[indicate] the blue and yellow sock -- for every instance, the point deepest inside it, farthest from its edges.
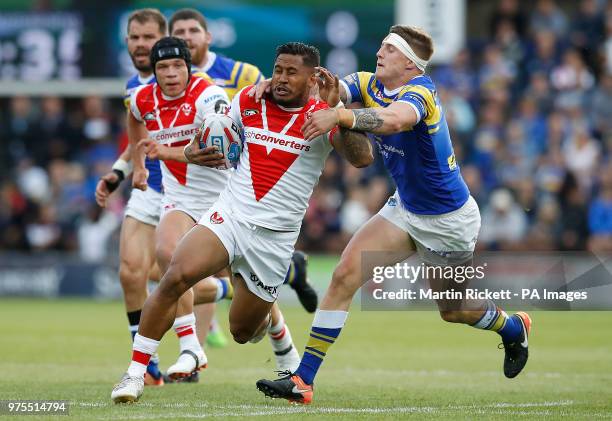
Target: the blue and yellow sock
(325, 330)
(290, 277)
(225, 290)
(495, 319)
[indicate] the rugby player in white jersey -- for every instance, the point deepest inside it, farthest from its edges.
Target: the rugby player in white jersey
(232, 76)
(137, 245)
(255, 222)
(138, 262)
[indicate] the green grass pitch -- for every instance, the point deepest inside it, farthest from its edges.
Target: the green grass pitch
(386, 365)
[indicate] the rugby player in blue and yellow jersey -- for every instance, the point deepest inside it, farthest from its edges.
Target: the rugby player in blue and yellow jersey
(431, 212)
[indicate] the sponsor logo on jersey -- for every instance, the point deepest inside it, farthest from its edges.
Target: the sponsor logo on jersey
(249, 112)
(392, 201)
(221, 107)
(267, 138)
(352, 79)
(174, 134)
(215, 97)
(215, 218)
(187, 109)
(269, 289)
(149, 116)
(452, 162)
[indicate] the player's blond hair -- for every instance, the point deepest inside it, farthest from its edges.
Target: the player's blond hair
(419, 40)
(147, 15)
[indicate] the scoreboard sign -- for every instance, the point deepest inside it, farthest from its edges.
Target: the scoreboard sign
(40, 46)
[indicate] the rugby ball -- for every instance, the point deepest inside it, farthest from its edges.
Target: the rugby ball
(221, 131)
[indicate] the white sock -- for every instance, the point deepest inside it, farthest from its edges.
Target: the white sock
(185, 329)
(280, 337)
(214, 325)
(142, 350)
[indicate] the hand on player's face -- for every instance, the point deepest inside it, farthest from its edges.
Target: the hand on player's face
(261, 89)
(172, 76)
(329, 86)
(319, 123)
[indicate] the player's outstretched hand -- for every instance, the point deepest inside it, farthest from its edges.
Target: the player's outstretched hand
(261, 89)
(106, 185)
(206, 157)
(320, 122)
(329, 86)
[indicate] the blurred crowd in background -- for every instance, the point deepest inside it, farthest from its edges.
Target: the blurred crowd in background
(530, 113)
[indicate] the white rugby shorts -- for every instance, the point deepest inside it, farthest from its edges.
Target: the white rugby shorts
(261, 256)
(145, 206)
(194, 206)
(446, 239)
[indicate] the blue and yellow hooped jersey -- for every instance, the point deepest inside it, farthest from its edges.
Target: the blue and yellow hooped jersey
(229, 74)
(155, 176)
(421, 160)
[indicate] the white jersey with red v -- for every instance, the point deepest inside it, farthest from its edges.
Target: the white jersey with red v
(278, 169)
(173, 121)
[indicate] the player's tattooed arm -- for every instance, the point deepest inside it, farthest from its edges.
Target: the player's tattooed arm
(354, 146)
(367, 119)
(395, 118)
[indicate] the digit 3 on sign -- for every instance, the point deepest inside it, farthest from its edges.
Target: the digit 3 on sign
(221, 131)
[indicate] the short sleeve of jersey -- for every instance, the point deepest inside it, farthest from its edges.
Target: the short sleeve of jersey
(204, 76)
(132, 104)
(419, 97)
(127, 96)
(234, 111)
(212, 100)
(354, 85)
(250, 75)
(331, 134)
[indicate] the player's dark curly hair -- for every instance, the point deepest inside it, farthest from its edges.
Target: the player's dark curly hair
(310, 55)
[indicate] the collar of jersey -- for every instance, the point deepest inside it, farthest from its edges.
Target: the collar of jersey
(209, 63)
(294, 110)
(145, 81)
(290, 110)
(172, 98)
(392, 93)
